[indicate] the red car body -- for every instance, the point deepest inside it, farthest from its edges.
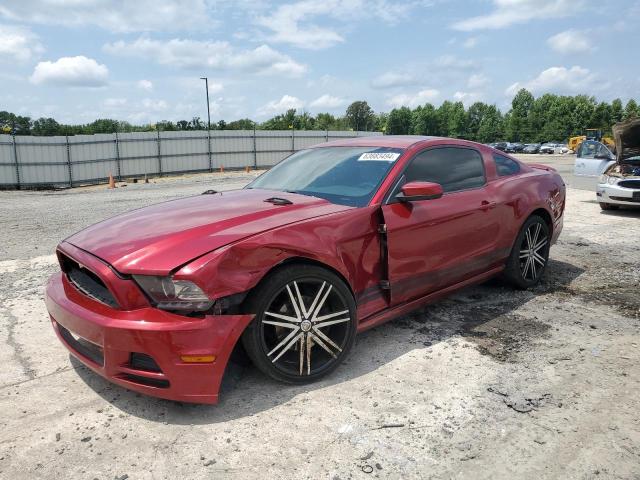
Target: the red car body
(394, 257)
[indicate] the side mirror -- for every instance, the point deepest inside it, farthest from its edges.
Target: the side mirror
(414, 191)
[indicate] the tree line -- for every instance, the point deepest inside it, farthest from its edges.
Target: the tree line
(546, 118)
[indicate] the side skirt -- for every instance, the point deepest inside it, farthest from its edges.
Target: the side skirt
(390, 313)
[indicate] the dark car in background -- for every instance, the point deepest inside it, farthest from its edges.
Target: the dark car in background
(502, 146)
(531, 148)
(515, 147)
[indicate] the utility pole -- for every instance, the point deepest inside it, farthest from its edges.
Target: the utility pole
(206, 86)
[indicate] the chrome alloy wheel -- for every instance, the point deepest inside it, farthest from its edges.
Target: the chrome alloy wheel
(532, 252)
(305, 327)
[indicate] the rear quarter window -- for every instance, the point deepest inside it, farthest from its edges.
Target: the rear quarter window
(505, 166)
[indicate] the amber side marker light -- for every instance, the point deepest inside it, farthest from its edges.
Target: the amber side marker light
(198, 358)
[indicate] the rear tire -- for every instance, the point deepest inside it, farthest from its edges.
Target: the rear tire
(304, 325)
(608, 206)
(530, 254)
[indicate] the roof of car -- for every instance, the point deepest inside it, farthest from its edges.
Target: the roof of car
(392, 141)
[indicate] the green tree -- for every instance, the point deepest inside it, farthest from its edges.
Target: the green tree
(617, 112)
(491, 125)
(631, 110)
(46, 127)
(242, 124)
(360, 116)
(399, 121)
(521, 105)
(425, 121)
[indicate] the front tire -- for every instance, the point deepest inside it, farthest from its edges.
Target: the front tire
(305, 324)
(530, 254)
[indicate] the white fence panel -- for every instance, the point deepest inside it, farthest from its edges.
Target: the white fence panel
(83, 159)
(43, 161)
(138, 153)
(184, 151)
(93, 157)
(7, 165)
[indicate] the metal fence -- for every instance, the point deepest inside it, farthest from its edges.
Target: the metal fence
(33, 162)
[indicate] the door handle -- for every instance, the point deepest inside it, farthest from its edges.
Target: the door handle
(486, 205)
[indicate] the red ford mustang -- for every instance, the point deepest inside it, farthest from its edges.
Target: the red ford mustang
(332, 241)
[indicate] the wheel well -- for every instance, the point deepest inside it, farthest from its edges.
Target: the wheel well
(297, 261)
(541, 212)
(309, 261)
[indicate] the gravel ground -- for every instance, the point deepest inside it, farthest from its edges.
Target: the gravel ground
(489, 383)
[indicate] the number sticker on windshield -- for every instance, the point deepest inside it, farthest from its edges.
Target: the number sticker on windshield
(379, 157)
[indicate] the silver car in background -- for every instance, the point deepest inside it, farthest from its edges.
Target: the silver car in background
(615, 178)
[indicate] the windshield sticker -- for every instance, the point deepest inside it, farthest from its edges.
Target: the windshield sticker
(379, 157)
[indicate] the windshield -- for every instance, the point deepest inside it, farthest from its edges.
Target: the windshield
(343, 175)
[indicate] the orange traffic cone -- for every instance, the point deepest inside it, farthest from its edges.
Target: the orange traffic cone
(246, 169)
(112, 183)
(221, 168)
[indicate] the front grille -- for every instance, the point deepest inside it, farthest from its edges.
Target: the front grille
(84, 347)
(629, 183)
(87, 282)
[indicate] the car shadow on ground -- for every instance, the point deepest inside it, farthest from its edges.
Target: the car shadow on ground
(483, 314)
(623, 212)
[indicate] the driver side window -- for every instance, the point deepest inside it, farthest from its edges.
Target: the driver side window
(454, 168)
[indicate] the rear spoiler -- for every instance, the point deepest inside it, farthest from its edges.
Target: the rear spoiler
(540, 166)
(627, 138)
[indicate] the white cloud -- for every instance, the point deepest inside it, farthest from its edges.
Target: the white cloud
(441, 71)
(145, 85)
(292, 23)
(467, 97)
(217, 55)
(413, 100)
(477, 80)
(570, 41)
(287, 102)
(328, 102)
(561, 80)
(77, 71)
(113, 15)
(152, 105)
(470, 42)
(18, 44)
(510, 12)
(215, 87)
(114, 103)
(395, 79)
(451, 62)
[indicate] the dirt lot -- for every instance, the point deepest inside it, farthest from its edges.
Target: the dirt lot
(490, 383)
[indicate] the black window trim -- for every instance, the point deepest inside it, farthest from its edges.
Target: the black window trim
(389, 197)
(494, 155)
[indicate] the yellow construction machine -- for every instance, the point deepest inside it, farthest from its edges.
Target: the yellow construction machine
(591, 134)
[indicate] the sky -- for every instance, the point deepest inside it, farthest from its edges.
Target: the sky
(141, 60)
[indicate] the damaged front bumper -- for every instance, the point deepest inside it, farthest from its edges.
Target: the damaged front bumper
(146, 350)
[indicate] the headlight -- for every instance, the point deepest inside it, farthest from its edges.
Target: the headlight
(170, 294)
(603, 178)
(612, 180)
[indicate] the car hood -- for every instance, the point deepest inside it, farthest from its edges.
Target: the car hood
(157, 239)
(627, 139)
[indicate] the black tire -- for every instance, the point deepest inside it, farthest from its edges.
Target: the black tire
(517, 273)
(311, 360)
(608, 206)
